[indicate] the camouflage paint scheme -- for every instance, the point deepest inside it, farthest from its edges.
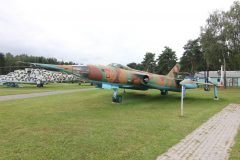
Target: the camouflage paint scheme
(119, 76)
(115, 76)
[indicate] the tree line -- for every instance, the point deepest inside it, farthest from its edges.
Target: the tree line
(191, 61)
(10, 62)
(218, 41)
(160, 65)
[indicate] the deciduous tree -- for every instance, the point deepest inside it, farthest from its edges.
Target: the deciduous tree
(192, 59)
(220, 38)
(166, 60)
(149, 63)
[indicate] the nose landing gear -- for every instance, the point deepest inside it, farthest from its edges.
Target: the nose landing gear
(116, 98)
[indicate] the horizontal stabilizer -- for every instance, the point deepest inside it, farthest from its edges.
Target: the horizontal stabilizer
(190, 84)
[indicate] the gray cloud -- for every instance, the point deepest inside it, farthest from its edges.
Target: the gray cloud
(101, 31)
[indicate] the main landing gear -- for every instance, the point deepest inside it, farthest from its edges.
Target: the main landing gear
(164, 92)
(116, 98)
(206, 88)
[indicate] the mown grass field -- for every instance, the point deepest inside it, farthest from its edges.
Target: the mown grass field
(235, 153)
(86, 125)
(28, 88)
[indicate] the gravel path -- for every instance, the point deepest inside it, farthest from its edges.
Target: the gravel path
(211, 141)
(30, 95)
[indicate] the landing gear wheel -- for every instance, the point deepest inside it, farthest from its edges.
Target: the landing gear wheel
(163, 92)
(118, 99)
(206, 88)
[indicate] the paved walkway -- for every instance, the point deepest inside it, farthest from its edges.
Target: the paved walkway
(211, 141)
(30, 95)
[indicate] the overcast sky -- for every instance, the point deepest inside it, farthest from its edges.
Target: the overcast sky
(101, 31)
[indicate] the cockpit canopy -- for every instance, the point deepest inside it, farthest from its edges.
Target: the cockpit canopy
(116, 65)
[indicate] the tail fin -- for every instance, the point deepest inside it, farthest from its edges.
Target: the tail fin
(174, 71)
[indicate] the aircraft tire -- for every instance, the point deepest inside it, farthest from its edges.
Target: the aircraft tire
(118, 99)
(206, 88)
(164, 93)
(113, 99)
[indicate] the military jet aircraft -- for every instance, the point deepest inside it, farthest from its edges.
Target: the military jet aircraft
(115, 76)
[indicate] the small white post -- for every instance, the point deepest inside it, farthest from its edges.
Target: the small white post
(182, 96)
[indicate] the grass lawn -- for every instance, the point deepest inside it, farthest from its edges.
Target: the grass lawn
(27, 88)
(235, 153)
(86, 125)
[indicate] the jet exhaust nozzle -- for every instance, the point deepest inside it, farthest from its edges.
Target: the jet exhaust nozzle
(145, 79)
